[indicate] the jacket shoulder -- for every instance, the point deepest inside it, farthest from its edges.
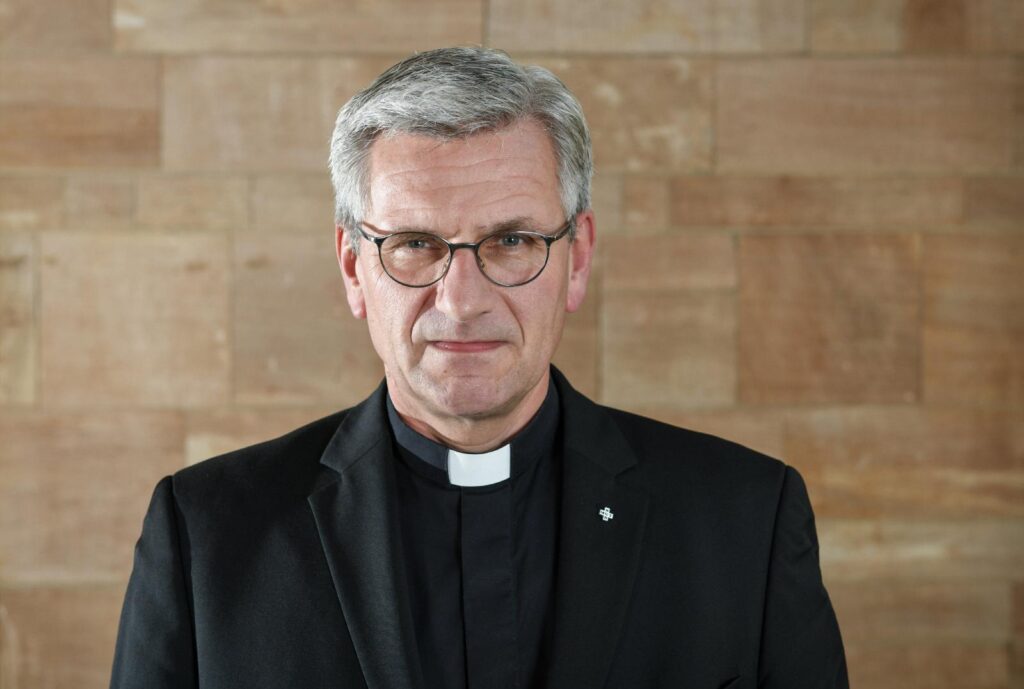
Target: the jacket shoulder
(672, 453)
(273, 466)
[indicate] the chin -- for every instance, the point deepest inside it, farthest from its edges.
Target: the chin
(472, 397)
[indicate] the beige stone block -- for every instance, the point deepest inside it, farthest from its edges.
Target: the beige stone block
(816, 202)
(856, 26)
(828, 318)
(1017, 637)
(935, 25)
(995, 25)
(869, 115)
(670, 350)
(17, 321)
(212, 432)
(885, 26)
(1017, 662)
(606, 200)
(921, 549)
(995, 202)
(670, 262)
(579, 353)
(909, 461)
(895, 612)
(130, 319)
(647, 26)
(758, 429)
(839, 491)
(1017, 617)
(51, 27)
(192, 202)
(293, 203)
(971, 366)
(99, 202)
(871, 438)
(759, 26)
(83, 112)
(931, 666)
(646, 200)
(295, 340)
(640, 27)
(295, 26)
(256, 114)
(59, 637)
(646, 114)
(31, 203)
(974, 319)
(75, 489)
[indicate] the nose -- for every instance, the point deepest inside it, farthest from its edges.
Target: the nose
(464, 293)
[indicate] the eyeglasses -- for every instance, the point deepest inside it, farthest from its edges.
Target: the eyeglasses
(506, 258)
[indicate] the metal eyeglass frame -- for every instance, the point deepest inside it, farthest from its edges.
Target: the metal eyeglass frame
(548, 240)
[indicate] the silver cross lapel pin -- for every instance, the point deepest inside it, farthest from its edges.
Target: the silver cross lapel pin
(606, 513)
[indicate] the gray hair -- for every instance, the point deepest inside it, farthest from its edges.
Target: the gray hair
(453, 93)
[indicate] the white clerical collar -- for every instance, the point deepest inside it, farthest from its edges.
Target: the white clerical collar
(534, 441)
(481, 469)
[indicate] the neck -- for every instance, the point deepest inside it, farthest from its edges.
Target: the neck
(469, 434)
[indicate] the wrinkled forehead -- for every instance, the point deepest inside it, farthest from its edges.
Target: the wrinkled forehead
(415, 178)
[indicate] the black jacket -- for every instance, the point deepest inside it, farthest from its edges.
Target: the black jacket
(278, 565)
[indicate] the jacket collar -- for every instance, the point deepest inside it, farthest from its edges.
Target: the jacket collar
(590, 431)
(358, 432)
(355, 511)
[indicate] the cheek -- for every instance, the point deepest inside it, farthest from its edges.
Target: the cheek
(541, 316)
(392, 313)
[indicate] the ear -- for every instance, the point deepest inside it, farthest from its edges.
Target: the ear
(581, 256)
(348, 261)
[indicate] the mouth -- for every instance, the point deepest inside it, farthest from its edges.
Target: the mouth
(466, 346)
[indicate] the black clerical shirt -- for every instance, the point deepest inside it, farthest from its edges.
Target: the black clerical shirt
(480, 561)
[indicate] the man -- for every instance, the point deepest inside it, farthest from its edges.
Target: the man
(476, 522)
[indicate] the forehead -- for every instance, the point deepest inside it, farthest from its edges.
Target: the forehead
(484, 178)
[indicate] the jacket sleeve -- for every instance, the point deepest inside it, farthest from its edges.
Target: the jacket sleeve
(801, 647)
(156, 641)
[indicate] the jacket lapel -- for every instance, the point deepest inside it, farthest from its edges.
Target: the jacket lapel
(355, 512)
(599, 549)
(356, 517)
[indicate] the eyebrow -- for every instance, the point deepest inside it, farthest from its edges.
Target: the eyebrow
(520, 223)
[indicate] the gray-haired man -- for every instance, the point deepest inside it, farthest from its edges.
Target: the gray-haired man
(476, 522)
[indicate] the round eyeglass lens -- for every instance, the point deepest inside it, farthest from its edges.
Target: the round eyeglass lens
(414, 258)
(513, 258)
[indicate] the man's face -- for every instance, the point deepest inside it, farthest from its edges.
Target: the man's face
(464, 346)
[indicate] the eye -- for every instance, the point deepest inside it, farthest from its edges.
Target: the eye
(511, 240)
(404, 241)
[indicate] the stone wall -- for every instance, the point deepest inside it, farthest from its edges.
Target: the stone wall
(811, 233)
